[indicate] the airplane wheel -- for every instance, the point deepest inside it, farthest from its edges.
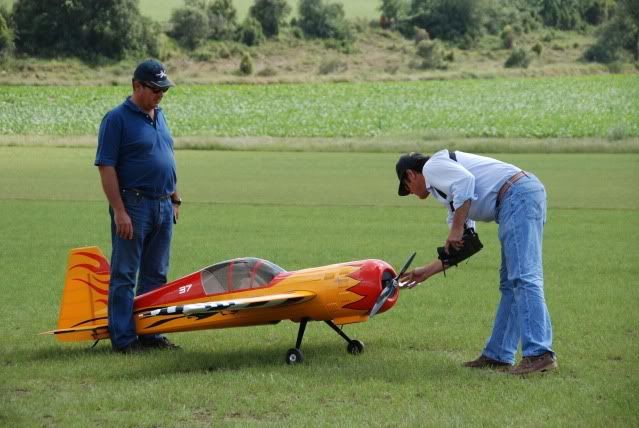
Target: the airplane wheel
(294, 356)
(355, 347)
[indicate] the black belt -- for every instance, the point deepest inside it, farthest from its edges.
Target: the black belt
(145, 195)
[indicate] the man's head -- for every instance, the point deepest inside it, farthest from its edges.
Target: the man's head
(150, 82)
(409, 172)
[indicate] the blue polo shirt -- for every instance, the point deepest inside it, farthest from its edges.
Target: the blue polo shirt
(140, 149)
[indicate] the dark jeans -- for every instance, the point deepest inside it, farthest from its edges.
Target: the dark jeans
(141, 261)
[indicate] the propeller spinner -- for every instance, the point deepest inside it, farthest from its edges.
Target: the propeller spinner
(389, 287)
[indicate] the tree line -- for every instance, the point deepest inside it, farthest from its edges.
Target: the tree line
(114, 29)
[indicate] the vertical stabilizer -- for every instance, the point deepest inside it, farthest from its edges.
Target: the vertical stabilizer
(83, 312)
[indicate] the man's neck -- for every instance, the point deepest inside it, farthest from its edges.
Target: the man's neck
(135, 100)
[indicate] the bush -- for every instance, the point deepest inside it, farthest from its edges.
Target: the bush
(454, 20)
(518, 58)
(619, 34)
(83, 28)
(246, 65)
(537, 48)
(324, 21)
(507, 37)
(432, 54)
(251, 32)
(271, 14)
(6, 37)
(331, 66)
(190, 26)
(222, 19)
(393, 10)
(562, 14)
(421, 34)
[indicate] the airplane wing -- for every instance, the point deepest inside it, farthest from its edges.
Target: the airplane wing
(260, 302)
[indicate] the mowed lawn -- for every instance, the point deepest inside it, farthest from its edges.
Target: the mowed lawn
(308, 209)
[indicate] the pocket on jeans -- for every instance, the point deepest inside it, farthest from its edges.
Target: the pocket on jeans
(130, 199)
(536, 207)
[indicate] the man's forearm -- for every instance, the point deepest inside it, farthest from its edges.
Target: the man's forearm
(460, 216)
(111, 187)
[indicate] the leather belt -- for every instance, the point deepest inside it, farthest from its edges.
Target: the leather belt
(508, 184)
(145, 195)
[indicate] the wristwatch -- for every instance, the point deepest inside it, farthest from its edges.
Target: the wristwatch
(177, 201)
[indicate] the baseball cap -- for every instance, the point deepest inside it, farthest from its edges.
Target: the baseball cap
(152, 72)
(414, 161)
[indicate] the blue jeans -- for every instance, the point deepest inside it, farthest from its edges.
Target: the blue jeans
(522, 313)
(143, 260)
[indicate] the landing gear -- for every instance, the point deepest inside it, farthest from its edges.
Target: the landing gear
(295, 355)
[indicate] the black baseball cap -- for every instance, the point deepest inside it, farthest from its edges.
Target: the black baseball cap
(414, 161)
(153, 73)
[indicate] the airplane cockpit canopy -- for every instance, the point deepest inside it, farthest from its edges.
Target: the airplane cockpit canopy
(239, 274)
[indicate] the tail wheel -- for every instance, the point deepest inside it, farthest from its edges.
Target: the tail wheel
(294, 356)
(355, 347)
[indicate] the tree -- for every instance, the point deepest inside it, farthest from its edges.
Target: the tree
(190, 26)
(393, 10)
(83, 28)
(270, 13)
(455, 20)
(6, 36)
(222, 19)
(620, 34)
(324, 21)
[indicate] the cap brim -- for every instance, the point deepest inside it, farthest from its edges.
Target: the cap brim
(166, 83)
(402, 190)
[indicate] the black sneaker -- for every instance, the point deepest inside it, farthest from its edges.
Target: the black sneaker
(134, 347)
(160, 342)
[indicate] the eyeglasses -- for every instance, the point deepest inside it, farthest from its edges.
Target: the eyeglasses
(154, 89)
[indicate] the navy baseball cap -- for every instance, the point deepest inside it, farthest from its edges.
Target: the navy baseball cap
(152, 72)
(414, 161)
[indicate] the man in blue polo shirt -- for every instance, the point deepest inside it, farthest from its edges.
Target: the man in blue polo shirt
(137, 169)
(479, 188)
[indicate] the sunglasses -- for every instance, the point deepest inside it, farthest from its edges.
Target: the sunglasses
(154, 89)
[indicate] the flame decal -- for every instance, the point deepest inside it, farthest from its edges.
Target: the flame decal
(101, 268)
(369, 295)
(94, 287)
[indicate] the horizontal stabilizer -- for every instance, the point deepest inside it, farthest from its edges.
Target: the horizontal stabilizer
(94, 332)
(260, 302)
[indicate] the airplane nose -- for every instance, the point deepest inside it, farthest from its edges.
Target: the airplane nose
(372, 278)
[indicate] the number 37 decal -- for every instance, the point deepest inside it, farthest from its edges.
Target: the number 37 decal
(184, 289)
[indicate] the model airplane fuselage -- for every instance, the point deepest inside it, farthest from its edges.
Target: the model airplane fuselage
(234, 293)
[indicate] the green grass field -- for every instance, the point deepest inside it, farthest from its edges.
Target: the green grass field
(306, 209)
(592, 106)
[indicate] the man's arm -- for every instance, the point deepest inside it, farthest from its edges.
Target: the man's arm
(421, 274)
(457, 227)
(111, 187)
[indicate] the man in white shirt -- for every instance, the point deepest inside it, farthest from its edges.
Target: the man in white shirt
(478, 188)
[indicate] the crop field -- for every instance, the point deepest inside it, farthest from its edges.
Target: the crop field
(600, 106)
(308, 209)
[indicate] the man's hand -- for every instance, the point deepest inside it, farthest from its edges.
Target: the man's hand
(123, 225)
(454, 239)
(413, 277)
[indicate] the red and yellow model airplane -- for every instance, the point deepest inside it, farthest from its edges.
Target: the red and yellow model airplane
(234, 293)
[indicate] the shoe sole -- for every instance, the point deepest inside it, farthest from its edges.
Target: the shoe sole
(547, 368)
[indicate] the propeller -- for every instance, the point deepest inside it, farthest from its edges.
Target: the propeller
(390, 286)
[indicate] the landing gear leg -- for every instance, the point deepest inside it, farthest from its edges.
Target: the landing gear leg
(294, 355)
(354, 346)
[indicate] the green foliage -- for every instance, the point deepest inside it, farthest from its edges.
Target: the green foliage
(246, 64)
(421, 34)
(6, 37)
(271, 14)
(519, 57)
(332, 66)
(222, 19)
(323, 20)
(394, 10)
(619, 35)
(251, 32)
(454, 20)
(538, 108)
(537, 48)
(109, 29)
(432, 54)
(562, 14)
(507, 37)
(190, 26)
